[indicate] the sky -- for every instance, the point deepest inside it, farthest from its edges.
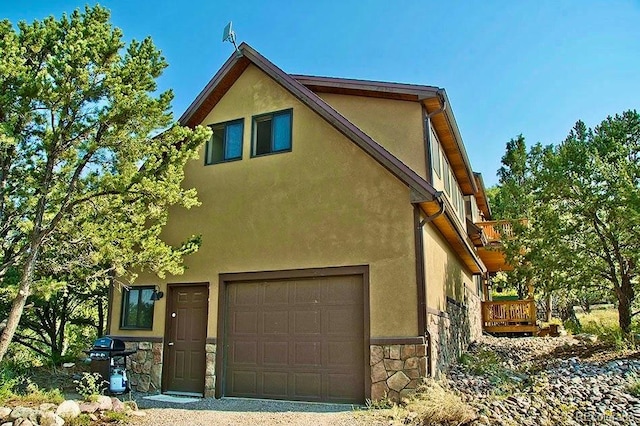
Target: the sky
(508, 67)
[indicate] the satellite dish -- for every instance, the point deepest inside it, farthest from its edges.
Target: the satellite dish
(229, 35)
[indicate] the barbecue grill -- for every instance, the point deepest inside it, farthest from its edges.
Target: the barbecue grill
(109, 359)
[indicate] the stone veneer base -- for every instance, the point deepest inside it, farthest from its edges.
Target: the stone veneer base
(396, 370)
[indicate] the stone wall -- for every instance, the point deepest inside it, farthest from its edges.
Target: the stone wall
(144, 367)
(396, 370)
(453, 330)
(210, 372)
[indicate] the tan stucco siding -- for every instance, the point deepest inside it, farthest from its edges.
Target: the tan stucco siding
(445, 273)
(396, 125)
(326, 203)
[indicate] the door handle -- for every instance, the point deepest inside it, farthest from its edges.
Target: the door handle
(170, 344)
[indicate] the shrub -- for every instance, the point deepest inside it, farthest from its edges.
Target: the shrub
(90, 386)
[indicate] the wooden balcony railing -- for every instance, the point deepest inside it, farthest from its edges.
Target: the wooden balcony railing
(497, 230)
(509, 316)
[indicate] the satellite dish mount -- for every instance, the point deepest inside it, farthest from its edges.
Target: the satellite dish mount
(229, 35)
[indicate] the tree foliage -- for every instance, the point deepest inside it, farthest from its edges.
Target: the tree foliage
(90, 158)
(582, 201)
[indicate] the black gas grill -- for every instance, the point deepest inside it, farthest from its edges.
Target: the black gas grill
(109, 359)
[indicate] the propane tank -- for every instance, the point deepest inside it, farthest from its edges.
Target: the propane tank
(117, 381)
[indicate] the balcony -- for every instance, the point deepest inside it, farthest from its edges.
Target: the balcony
(509, 316)
(491, 253)
(496, 230)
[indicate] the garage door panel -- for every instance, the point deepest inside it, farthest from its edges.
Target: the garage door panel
(275, 384)
(343, 353)
(295, 339)
(244, 382)
(275, 322)
(308, 354)
(307, 322)
(306, 294)
(275, 353)
(244, 352)
(244, 322)
(276, 293)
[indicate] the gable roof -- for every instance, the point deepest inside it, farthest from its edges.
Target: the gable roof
(432, 98)
(239, 61)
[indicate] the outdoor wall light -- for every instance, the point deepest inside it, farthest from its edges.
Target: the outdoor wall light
(157, 294)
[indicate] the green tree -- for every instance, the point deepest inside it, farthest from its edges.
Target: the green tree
(85, 140)
(591, 186)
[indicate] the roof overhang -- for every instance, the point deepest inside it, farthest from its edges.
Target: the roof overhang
(481, 196)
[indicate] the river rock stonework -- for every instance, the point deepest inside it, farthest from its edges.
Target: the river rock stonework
(396, 370)
(210, 371)
(145, 366)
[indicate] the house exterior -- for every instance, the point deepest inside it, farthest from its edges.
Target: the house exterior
(338, 259)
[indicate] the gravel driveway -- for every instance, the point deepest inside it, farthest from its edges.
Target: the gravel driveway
(240, 411)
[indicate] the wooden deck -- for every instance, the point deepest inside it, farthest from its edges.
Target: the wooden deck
(509, 316)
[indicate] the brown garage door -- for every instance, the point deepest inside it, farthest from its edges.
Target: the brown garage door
(299, 339)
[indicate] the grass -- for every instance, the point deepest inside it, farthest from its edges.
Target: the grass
(431, 404)
(634, 386)
(604, 324)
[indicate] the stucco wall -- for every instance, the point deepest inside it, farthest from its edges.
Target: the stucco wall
(453, 316)
(325, 203)
(396, 125)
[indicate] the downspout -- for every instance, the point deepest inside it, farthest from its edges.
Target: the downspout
(420, 276)
(427, 125)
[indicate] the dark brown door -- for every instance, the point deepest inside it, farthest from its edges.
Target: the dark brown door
(186, 334)
(298, 339)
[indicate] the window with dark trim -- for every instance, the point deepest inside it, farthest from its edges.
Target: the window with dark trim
(137, 308)
(225, 143)
(435, 153)
(271, 133)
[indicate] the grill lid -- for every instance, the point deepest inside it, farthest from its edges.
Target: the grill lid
(107, 343)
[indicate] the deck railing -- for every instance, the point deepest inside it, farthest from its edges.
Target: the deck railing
(497, 230)
(509, 316)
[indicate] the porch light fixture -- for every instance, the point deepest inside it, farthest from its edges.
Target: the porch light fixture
(157, 294)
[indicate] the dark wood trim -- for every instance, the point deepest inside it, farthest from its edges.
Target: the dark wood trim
(410, 340)
(421, 288)
(229, 278)
(110, 303)
(169, 306)
(383, 89)
(211, 341)
(138, 338)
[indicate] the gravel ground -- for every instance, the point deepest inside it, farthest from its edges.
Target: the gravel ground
(240, 411)
(550, 381)
(536, 382)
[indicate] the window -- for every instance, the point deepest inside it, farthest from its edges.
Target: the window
(225, 143)
(435, 152)
(137, 308)
(272, 133)
(446, 172)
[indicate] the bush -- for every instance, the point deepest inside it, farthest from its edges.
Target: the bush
(90, 386)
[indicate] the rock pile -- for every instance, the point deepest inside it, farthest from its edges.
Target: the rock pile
(549, 381)
(55, 415)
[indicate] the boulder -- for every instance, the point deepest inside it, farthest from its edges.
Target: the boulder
(104, 403)
(51, 419)
(117, 405)
(23, 422)
(24, 413)
(89, 407)
(68, 409)
(47, 406)
(4, 412)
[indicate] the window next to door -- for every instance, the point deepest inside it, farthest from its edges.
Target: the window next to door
(225, 143)
(271, 133)
(137, 308)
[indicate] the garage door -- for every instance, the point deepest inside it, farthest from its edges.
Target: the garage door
(299, 339)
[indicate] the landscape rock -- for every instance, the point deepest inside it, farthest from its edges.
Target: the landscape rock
(137, 413)
(51, 419)
(4, 412)
(104, 403)
(24, 413)
(23, 422)
(47, 406)
(89, 407)
(117, 405)
(68, 409)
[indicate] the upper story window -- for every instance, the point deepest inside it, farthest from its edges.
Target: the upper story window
(435, 153)
(272, 133)
(137, 308)
(225, 143)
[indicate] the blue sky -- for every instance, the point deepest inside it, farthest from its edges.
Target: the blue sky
(509, 67)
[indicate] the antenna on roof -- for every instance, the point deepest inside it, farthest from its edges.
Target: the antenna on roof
(229, 35)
